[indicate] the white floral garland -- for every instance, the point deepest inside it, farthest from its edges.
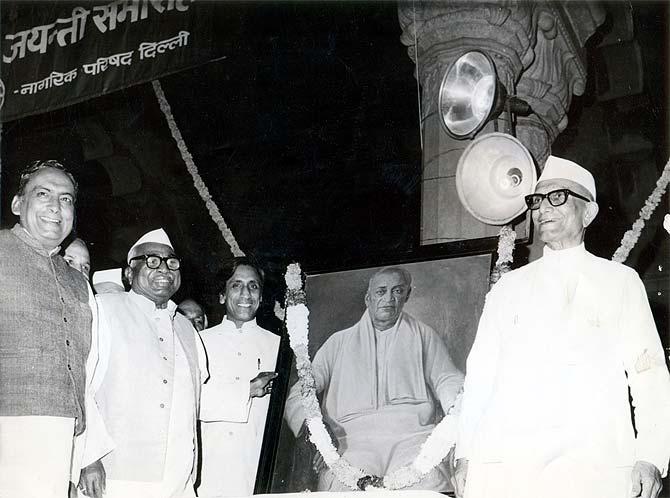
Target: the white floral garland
(506, 238)
(433, 450)
(631, 237)
(193, 170)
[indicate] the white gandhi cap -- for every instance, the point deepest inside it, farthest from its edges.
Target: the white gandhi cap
(157, 236)
(556, 168)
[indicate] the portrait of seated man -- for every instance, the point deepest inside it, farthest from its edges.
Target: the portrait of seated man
(382, 382)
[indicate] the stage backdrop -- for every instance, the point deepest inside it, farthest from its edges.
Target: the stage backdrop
(58, 53)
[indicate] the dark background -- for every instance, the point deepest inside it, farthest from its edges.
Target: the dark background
(306, 133)
(307, 137)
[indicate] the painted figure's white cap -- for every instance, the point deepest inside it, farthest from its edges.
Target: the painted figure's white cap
(157, 236)
(555, 167)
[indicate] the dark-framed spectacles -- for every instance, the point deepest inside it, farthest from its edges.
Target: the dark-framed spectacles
(153, 261)
(555, 197)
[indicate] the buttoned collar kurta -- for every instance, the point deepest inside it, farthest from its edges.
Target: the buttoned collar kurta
(233, 423)
(559, 343)
(149, 394)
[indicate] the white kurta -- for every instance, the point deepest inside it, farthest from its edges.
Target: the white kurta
(152, 363)
(94, 442)
(379, 391)
(232, 423)
(559, 343)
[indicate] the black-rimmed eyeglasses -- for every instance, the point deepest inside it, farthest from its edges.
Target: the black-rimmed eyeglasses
(555, 197)
(153, 261)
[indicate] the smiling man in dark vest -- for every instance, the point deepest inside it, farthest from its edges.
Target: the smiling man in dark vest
(45, 337)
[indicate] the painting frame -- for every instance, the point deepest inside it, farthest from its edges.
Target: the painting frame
(470, 271)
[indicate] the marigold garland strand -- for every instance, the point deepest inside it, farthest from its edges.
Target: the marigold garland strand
(631, 237)
(193, 170)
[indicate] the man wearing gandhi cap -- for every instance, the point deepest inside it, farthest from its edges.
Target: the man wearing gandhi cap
(153, 365)
(560, 342)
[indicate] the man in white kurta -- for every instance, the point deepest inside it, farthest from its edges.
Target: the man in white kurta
(149, 392)
(381, 382)
(242, 358)
(94, 442)
(561, 340)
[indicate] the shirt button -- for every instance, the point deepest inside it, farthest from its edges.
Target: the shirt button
(65, 319)
(165, 358)
(67, 342)
(164, 381)
(239, 354)
(62, 300)
(160, 339)
(162, 405)
(69, 367)
(237, 378)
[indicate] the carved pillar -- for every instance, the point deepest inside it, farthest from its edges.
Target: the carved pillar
(538, 52)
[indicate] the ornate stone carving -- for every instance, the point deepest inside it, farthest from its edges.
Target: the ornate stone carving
(538, 50)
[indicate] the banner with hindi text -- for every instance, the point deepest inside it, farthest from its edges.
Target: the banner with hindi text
(57, 53)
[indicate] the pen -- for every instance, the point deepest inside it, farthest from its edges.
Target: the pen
(259, 364)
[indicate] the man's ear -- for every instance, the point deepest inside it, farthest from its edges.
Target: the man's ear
(590, 213)
(16, 205)
(128, 273)
(367, 299)
(408, 293)
(222, 298)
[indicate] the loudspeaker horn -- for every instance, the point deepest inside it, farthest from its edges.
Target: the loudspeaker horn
(494, 174)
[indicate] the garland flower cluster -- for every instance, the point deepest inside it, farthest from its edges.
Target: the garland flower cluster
(506, 238)
(193, 170)
(631, 237)
(433, 450)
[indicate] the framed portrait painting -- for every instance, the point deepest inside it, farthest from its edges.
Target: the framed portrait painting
(388, 345)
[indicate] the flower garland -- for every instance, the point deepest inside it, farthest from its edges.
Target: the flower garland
(631, 237)
(193, 170)
(433, 450)
(506, 238)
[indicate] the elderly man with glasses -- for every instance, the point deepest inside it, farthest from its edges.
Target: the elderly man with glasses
(561, 343)
(152, 364)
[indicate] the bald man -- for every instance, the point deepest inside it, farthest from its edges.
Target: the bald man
(382, 380)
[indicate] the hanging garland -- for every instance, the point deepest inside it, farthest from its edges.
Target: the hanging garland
(433, 450)
(631, 237)
(443, 436)
(506, 238)
(193, 170)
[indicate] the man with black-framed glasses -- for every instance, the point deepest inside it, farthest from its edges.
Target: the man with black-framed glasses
(546, 409)
(152, 366)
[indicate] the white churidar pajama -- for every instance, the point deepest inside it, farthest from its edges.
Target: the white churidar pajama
(41, 444)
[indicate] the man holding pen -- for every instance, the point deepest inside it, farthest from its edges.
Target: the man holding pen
(235, 400)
